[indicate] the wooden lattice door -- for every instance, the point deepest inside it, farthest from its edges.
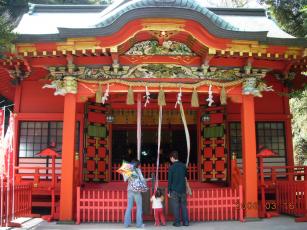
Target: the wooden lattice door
(97, 144)
(213, 154)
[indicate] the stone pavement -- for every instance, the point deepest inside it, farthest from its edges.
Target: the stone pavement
(276, 223)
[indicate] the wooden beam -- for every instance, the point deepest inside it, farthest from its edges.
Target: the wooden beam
(237, 62)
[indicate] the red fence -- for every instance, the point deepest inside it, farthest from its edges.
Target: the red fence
(149, 169)
(215, 204)
(237, 185)
(98, 205)
(290, 185)
(22, 203)
(290, 198)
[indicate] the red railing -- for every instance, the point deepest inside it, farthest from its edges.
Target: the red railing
(290, 198)
(290, 186)
(272, 174)
(215, 204)
(22, 203)
(36, 174)
(236, 176)
(237, 184)
(149, 169)
(96, 205)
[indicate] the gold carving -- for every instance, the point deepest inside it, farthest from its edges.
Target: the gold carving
(70, 84)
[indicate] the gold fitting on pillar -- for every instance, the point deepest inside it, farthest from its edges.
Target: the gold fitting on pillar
(77, 156)
(234, 156)
(70, 84)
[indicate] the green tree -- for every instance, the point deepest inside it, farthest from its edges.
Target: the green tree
(6, 35)
(291, 15)
(298, 107)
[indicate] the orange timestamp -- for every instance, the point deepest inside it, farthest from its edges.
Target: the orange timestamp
(272, 205)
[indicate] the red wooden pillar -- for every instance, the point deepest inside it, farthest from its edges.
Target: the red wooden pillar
(249, 156)
(68, 159)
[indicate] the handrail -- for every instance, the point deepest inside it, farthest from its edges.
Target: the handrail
(286, 166)
(20, 206)
(149, 169)
(37, 167)
(40, 173)
(236, 175)
(276, 173)
(237, 183)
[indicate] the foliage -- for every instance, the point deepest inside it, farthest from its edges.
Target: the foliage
(291, 15)
(299, 126)
(227, 3)
(299, 93)
(6, 35)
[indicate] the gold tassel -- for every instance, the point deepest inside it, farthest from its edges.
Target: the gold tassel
(99, 94)
(194, 100)
(161, 98)
(223, 96)
(130, 97)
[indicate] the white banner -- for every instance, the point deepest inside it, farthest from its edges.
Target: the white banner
(187, 134)
(2, 155)
(139, 123)
(158, 151)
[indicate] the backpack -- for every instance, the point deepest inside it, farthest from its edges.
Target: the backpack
(138, 185)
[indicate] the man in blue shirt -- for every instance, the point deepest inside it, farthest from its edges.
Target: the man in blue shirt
(177, 189)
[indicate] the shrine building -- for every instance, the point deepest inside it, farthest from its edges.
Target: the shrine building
(92, 81)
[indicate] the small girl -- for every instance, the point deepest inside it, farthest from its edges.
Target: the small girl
(157, 206)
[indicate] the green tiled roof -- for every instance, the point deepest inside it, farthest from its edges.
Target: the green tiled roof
(45, 23)
(193, 5)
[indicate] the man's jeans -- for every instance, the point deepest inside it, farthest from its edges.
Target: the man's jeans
(138, 200)
(179, 201)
